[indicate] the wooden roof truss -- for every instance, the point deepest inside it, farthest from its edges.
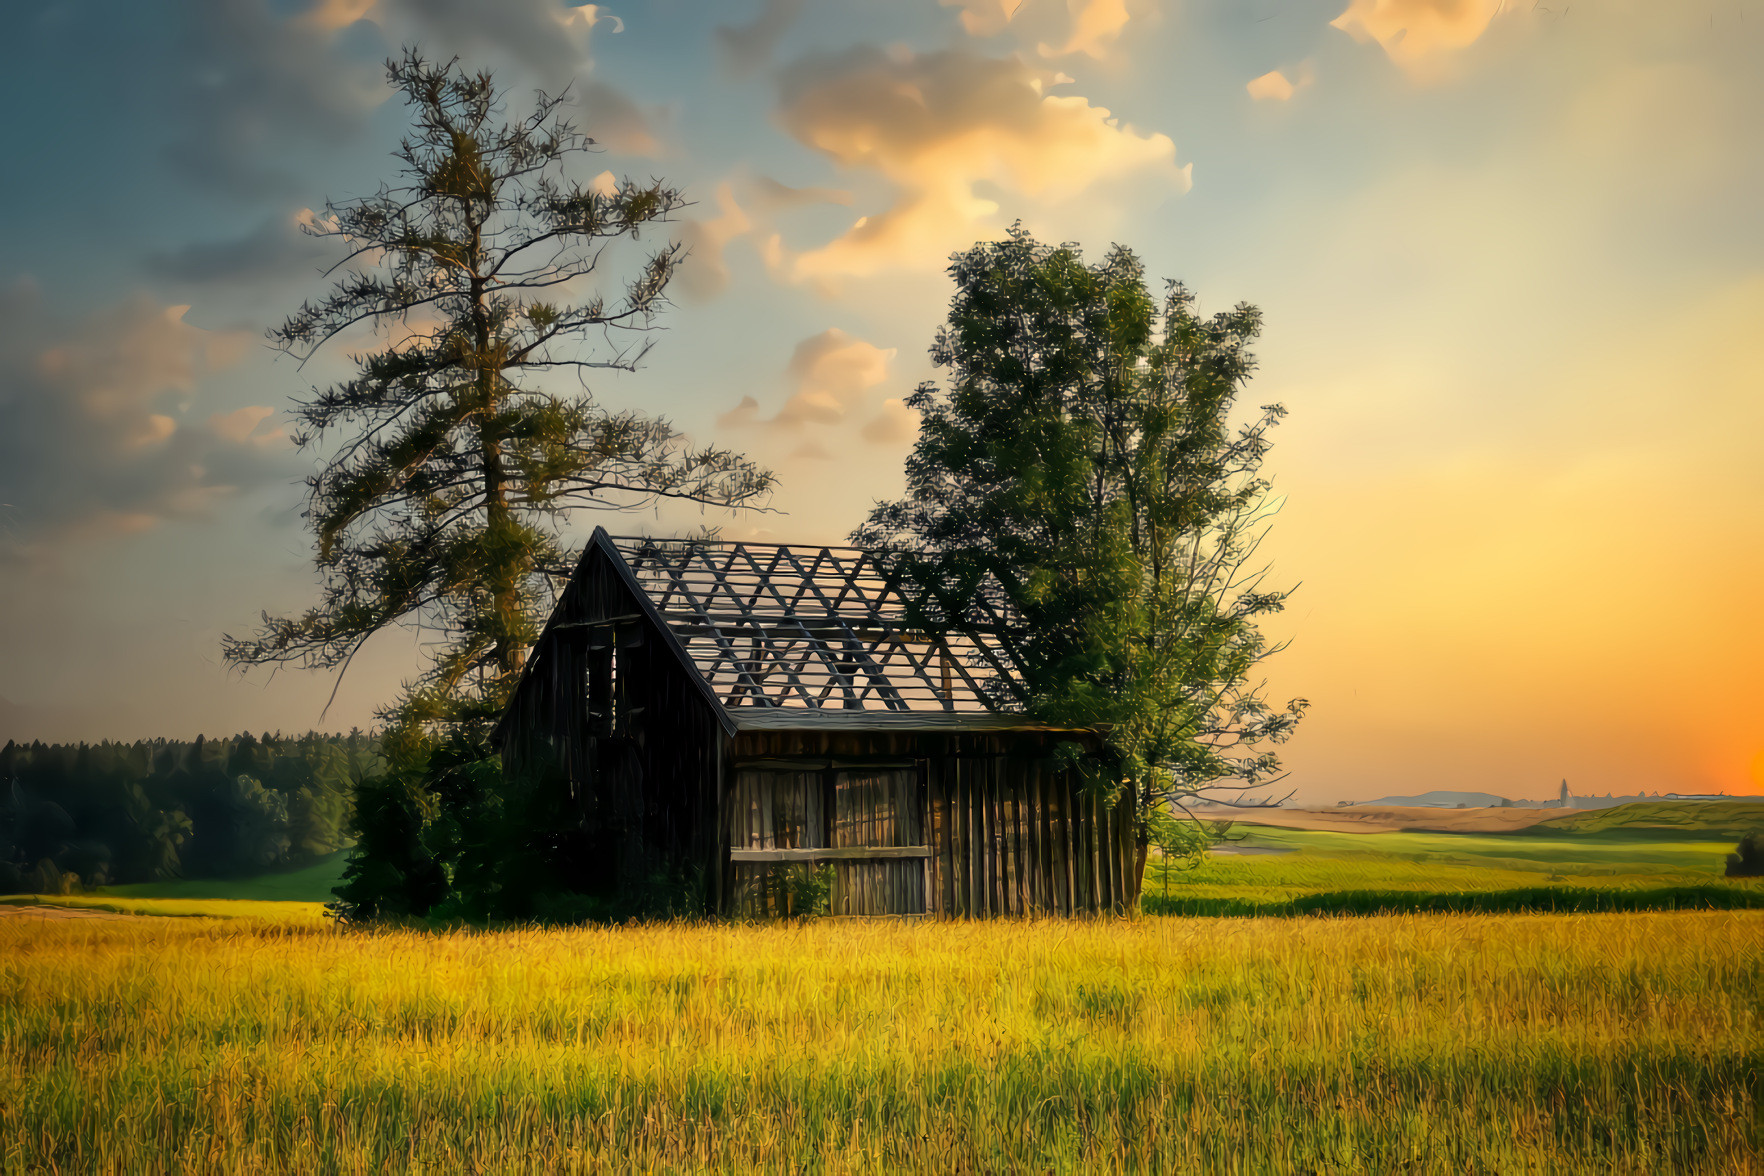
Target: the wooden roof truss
(822, 628)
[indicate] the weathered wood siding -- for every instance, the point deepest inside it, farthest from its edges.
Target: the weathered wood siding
(1006, 833)
(649, 788)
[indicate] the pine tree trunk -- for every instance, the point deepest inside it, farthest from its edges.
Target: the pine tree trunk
(504, 578)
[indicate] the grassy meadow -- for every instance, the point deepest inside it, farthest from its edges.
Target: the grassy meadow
(311, 884)
(252, 1035)
(1628, 1042)
(1642, 856)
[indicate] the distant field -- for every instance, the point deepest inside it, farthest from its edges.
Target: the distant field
(312, 884)
(1651, 857)
(1436, 1044)
(1369, 818)
(1713, 818)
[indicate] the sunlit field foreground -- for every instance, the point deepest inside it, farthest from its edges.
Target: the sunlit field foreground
(1457, 1043)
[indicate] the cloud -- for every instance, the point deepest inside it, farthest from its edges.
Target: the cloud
(613, 120)
(835, 376)
(985, 18)
(242, 424)
(331, 15)
(1271, 85)
(1095, 23)
(249, 83)
(742, 416)
(550, 39)
(705, 273)
(276, 248)
(1276, 86)
(749, 47)
(832, 371)
(940, 125)
(895, 424)
(1092, 27)
(1416, 33)
(95, 432)
(772, 196)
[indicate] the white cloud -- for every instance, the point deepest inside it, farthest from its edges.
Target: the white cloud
(1271, 86)
(241, 426)
(1095, 24)
(938, 126)
(833, 373)
(705, 272)
(895, 424)
(984, 18)
(749, 47)
(95, 432)
(1418, 33)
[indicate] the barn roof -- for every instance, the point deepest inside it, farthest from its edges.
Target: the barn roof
(795, 635)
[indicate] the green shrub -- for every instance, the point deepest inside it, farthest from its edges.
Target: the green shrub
(808, 891)
(1748, 859)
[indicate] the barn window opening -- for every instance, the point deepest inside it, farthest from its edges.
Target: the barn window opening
(603, 689)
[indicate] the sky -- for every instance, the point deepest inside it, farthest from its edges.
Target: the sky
(1509, 255)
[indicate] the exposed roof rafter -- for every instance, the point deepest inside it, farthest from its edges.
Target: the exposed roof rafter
(772, 626)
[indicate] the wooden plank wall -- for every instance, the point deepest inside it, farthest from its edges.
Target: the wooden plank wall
(1011, 837)
(650, 792)
(879, 806)
(826, 805)
(1008, 834)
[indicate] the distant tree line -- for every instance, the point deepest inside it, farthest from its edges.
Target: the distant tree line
(74, 816)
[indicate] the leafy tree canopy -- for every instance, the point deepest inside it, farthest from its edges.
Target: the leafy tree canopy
(1079, 486)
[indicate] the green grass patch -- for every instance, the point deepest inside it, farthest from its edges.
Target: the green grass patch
(1530, 899)
(309, 884)
(1623, 867)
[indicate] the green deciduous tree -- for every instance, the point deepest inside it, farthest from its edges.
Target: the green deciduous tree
(1080, 485)
(482, 272)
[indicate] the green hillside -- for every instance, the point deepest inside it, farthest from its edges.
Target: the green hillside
(1623, 865)
(311, 884)
(1710, 818)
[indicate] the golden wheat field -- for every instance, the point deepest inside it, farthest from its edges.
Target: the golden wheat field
(1509, 1043)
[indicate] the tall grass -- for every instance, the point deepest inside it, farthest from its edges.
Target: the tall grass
(1627, 1042)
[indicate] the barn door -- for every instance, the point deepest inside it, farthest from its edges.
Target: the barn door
(878, 809)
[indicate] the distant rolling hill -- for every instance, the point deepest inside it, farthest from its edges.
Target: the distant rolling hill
(1441, 799)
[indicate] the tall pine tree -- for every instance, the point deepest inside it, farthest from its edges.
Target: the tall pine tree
(447, 456)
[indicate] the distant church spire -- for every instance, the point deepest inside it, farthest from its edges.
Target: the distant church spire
(1564, 794)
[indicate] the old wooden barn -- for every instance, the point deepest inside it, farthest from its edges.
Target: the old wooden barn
(723, 710)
